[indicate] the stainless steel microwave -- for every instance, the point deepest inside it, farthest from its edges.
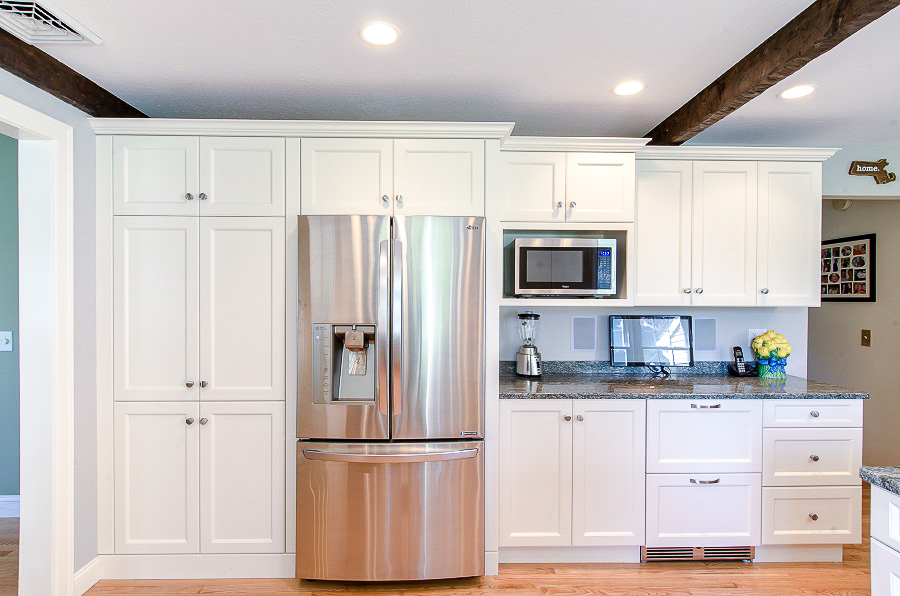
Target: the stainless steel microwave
(565, 266)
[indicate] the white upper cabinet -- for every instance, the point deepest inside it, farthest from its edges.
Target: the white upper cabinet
(599, 187)
(385, 177)
(663, 245)
(155, 319)
(346, 177)
(241, 176)
(534, 186)
(790, 233)
(156, 175)
(439, 177)
(724, 233)
(242, 308)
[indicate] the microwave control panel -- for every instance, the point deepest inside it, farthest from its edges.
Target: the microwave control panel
(604, 268)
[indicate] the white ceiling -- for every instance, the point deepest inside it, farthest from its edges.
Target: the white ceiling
(856, 102)
(547, 65)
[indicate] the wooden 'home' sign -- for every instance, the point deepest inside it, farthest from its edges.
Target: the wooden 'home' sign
(876, 169)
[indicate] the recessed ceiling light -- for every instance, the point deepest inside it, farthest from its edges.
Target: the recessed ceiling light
(797, 91)
(628, 88)
(379, 33)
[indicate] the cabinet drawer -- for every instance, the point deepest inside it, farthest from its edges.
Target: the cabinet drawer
(886, 517)
(704, 436)
(812, 515)
(811, 456)
(885, 570)
(703, 509)
(813, 413)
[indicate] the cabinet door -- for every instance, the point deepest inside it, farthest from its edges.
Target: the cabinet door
(885, 511)
(536, 472)
(790, 233)
(703, 510)
(812, 456)
(534, 186)
(439, 177)
(663, 248)
(242, 477)
(156, 478)
(608, 490)
(812, 515)
(241, 176)
(346, 176)
(724, 234)
(600, 187)
(155, 175)
(704, 436)
(156, 310)
(885, 570)
(242, 308)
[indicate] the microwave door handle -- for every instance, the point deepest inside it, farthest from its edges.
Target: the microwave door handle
(397, 328)
(382, 333)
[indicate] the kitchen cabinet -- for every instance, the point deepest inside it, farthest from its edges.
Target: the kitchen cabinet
(572, 472)
(199, 478)
(198, 308)
(885, 570)
(812, 456)
(190, 176)
(571, 187)
(811, 515)
(885, 543)
(790, 233)
(813, 413)
(384, 176)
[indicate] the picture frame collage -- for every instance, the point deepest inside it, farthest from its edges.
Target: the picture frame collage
(848, 269)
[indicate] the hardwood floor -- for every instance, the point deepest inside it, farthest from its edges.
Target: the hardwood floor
(9, 555)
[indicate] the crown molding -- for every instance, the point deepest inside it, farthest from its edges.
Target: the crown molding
(303, 128)
(594, 144)
(693, 152)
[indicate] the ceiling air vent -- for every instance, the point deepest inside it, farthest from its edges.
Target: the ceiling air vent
(42, 22)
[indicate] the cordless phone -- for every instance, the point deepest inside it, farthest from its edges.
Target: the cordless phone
(739, 368)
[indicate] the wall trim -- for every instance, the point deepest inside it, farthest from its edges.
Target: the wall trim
(197, 566)
(87, 576)
(695, 152)
(570, 554)
(593, 144)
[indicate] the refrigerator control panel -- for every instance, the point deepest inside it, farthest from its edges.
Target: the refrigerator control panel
(322, 361)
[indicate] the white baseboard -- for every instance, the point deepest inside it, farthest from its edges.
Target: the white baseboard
(570, 554)
(491, 563)
(197, 566)
(9, 505)
(811, 553)
(87, 576)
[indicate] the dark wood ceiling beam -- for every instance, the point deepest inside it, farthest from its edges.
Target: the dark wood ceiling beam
(46, 72)
(819, 28)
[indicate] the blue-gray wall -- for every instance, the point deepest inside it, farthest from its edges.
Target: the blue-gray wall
(9, 316)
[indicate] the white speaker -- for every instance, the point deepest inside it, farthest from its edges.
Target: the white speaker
(584, 333)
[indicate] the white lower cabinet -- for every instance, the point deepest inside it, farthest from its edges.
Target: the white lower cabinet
(572, 472)
(812, 515)
(199, 478)
(703, 510)
(812, 456)
(885, 543)
(885, 570)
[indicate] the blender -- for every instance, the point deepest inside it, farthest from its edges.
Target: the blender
(528, 359)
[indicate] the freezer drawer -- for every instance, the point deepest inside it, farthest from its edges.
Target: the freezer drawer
(378, 512)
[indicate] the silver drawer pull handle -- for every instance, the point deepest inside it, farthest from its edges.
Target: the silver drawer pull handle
(386, 198)
(559, 204)
(699, 290)
(572, 204)
(189, 196)
(204, 420)
(579, 418)
(686, 290)
(813, 517)
(695, 481)
(203, 196)
(814, 457)
(814, 414)
(712, 407)
(189, 421)
(189, 384)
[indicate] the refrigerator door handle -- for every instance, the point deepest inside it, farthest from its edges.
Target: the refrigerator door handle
(397, 329)
(382, 333)
(389, 458)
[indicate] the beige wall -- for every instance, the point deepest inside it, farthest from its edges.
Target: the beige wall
(835, 354)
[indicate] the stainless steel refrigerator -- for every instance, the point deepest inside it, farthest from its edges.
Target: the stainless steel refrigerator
(391, 398)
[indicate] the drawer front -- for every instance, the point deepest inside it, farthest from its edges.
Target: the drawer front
(886, 517)
(703, 509)
(885, 570)
(704, 436)
(812, 515)
(813, 413)
(812, 456)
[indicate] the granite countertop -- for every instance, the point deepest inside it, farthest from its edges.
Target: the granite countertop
(884, 477)
(576, 385)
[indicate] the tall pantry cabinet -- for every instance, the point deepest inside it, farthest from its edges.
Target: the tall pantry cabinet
(198, 284)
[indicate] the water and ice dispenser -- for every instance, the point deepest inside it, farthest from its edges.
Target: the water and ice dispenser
(344, 361)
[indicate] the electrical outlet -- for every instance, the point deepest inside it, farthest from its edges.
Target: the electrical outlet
(753, 334)
(865, 338)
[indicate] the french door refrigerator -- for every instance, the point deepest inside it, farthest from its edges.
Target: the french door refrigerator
(391, 392)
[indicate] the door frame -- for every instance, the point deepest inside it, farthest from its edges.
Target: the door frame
(46, 189)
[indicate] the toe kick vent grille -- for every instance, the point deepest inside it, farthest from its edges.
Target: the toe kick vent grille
(42, 22)
(698, 553)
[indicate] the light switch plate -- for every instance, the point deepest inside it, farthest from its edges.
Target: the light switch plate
(753, 334)
(865, 338)
(6, 344)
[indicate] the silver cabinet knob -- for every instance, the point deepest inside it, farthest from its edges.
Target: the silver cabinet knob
(764, 291)
(814, 414)
(189, 196)
(203, 196)
(572, 205)
(189, 421)
(189, 384)
(400, 198)
(813, 516)
(567, 418)
(686, 290)
(386, 198)
(204, 420)
(559, 204)
(699, 290)
(814, 457)
(203, 383)
(579, 418)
